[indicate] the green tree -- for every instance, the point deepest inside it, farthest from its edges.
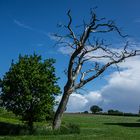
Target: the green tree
(94, 109)
(114, 112)
(29, 88)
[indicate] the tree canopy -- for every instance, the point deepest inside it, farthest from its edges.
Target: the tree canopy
(94, 109)
(29, 88)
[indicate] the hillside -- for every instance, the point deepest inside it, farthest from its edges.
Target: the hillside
(97, 127)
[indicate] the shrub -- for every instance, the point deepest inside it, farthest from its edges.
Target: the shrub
(115, 112)
(42, 130)
(73, 128)
(13, 129)
(64, 129)
(85, 112)
(68, 129)
(50, 115)
(130, 114)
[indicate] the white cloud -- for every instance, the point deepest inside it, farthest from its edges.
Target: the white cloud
(22, 25)
(93, 97)
(79, 103)
(65, 50)
(123, 90)
(76, 103)
(93, 56)
(53, 37)
(25, 26)
(137, 20)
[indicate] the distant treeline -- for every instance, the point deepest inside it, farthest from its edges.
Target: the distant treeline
(114, 112)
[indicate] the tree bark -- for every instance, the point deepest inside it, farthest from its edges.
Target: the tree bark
(61, 108)
(30, 125)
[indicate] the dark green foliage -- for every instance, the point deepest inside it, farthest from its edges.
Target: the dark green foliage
(130, 114)
(95, 109)
(85, 112)
(73, 128)
(7, 114)
(46, 130)
(119, 113)
(12, 129)
(115, 112)
(29, 88)
(69, 128)
(50, 115)
(2, 110)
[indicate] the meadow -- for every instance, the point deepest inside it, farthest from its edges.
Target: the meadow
(93, 127)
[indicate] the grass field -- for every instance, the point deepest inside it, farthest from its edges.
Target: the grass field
(93, 127)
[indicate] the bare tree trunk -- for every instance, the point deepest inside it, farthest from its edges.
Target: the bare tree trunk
(61, 108)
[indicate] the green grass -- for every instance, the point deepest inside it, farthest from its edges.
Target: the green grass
(93, 127)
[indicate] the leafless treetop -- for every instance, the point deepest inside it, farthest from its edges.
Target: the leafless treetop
(86, 48)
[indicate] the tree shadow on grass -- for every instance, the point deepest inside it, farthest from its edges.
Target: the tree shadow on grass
(125, 124)
(11, 129)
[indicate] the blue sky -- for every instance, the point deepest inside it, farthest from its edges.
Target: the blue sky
(25, 27)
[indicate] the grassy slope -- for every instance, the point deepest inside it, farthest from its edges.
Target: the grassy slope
(93, 127)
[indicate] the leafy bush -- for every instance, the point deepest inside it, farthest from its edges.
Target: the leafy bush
(2, 110)
(73, 128)
(13, 129)
(68, 129)
(7, 114)
(115, 112)
(130, 114)
(42, 130)
(85, 112)
(64, 129)
(50, 115)
(119, 113)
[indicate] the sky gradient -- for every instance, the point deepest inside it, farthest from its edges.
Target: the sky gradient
(26, 26)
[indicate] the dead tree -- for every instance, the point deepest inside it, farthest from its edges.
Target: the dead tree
(86, 49)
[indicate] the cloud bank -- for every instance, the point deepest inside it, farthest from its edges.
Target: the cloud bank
(121, 92)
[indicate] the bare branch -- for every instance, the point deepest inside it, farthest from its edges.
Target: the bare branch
(84, 74)
(111, 27)
(69, 28)
(104, 67)
(97, 57)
